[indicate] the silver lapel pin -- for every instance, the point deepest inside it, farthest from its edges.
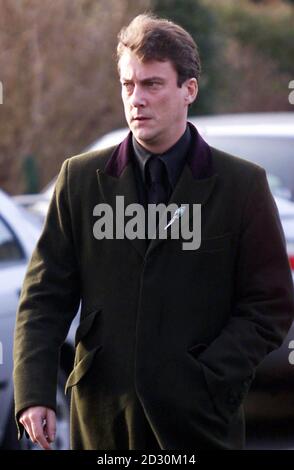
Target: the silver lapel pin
(178, 213)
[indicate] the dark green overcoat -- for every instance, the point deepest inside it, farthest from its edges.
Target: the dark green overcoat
(169, 339)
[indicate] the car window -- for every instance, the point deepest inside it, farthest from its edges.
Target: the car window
(10, 250)
(274, 154)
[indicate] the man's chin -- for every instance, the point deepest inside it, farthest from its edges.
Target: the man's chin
(142, 136)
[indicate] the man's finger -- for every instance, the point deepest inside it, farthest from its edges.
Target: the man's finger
(50, 428)
(39, 434)
(27, 425)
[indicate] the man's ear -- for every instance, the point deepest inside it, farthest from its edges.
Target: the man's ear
(191, 90)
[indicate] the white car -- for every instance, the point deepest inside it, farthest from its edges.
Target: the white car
(18, 237)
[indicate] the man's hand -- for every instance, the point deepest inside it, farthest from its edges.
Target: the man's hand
(40, 424)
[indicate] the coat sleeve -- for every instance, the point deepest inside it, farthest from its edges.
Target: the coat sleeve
(48, 303)
(263, 304)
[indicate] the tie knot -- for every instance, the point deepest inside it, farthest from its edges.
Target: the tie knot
(156, 169)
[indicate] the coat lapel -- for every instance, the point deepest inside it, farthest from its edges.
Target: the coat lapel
(196, 182)
(118, 179)
(194, 186)
(187, 192)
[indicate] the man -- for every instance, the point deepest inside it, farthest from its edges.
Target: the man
(169, 339)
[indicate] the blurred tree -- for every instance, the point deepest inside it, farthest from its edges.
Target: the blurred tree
(60, 81)
(267, 28)
(259, 44)
(201, 22)
(61, 89)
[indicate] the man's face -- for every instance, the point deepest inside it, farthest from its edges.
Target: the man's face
(155, 107)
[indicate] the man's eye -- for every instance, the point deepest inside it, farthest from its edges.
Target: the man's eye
(127, 86)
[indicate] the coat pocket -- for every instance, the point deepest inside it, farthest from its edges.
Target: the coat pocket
(226, 397)
(86, 324)
(81, 368)
(211, 391)
(219, 243)
(197, 349)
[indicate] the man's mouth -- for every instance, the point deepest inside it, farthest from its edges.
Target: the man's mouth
(140, 118)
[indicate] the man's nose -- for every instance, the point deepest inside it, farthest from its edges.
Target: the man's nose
(138, 97)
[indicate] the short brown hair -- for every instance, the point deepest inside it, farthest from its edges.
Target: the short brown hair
(153, 38)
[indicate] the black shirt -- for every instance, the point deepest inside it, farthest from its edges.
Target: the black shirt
(174, 160)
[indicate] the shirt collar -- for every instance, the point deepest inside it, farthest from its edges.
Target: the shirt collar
(173, 158)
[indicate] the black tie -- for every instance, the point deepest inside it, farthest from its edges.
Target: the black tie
(156, 191)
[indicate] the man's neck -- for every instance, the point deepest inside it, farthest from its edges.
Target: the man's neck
(162, 147)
